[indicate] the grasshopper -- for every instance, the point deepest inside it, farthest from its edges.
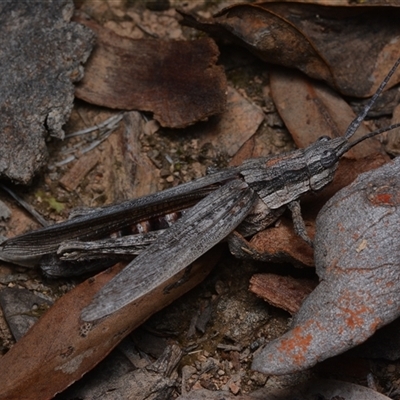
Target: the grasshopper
(245, 199)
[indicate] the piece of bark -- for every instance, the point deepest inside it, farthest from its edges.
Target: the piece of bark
(284, 292)
(140, 174)
(41, 56)
(281, 244)
(60, 345)
(178, 81)
(79, 170)
(126, 171)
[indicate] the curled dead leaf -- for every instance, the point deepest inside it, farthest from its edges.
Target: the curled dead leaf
(348, 47)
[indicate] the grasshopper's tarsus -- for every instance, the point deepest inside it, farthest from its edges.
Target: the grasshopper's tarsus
(298, 222)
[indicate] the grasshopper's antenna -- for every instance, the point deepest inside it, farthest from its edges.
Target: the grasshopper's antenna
(360, 118)
(371, 134)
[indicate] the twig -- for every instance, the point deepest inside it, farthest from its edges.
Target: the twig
(25, 205)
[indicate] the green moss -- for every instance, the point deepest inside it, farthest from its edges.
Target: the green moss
(52, 202)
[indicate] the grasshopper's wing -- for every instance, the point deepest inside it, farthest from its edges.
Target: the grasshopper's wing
(26, 249)
(204, 225)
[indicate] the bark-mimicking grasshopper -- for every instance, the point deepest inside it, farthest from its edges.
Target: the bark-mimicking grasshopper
(246, 198)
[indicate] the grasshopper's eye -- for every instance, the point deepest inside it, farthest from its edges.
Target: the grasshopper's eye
(328, 158)
(324, 139)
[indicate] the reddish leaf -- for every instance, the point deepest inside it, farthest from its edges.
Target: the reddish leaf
(60, 348)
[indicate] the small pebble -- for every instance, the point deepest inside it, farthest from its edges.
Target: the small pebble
(5, 212)
(234, 388)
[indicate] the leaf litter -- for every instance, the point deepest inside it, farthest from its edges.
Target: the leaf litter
(167, 157)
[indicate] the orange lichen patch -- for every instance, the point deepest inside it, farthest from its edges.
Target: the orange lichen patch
(355, 236)
(381, 199)
(386, 195)
(296, 346)
(375, 324)
(354, 317)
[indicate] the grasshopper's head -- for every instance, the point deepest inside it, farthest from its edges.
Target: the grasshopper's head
(322, 158)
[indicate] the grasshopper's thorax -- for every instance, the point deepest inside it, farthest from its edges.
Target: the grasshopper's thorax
(279, 180)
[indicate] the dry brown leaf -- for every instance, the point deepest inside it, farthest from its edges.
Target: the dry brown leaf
(348, 47)
(63, 347)
(311, 110)
(178, 81)
(235, 126)
(228, 131)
